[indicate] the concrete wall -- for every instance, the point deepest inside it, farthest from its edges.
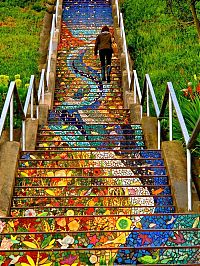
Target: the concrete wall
(9, 152)
(176, 165)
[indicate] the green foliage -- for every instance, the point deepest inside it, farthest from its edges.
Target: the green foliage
(19, 34)
(159, 46)
(24, 3)
(20, 25)
(165, 49)
(180, 9)
(3, 92)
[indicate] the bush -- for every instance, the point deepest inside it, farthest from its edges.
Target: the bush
(159, 45)
(165, 49)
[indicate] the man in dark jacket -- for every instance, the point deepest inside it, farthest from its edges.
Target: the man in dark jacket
(104, 45)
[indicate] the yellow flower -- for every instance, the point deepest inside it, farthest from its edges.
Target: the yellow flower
(11, 224)
(123, 223)
(73, 226)
(70, 213)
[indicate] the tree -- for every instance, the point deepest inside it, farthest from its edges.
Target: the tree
(194, 14)
(185, 11)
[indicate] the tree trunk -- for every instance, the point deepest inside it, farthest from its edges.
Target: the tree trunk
(196, 20)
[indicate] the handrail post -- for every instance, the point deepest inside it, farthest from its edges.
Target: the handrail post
(32, 103)
(159, 134)
(11, 118)
(43, 84)
(148, 109)
(170, 118)
(189, 180)
(50, 48)
(134, 89)
(23, 135)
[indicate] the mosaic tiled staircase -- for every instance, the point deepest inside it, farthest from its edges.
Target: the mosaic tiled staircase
(91, 194)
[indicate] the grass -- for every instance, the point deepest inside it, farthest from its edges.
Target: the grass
(159, 46)
(19, 34)
(165, 49)
(20, 27)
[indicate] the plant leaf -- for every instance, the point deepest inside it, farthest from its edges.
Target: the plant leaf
(30, 260)
(196, 222)
(49, 247)
(42, 214)
(52, 242)
(50, 192)
(29, 244)
(43, 261)
(46, 242)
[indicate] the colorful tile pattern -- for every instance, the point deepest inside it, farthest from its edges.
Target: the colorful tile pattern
(91, 194)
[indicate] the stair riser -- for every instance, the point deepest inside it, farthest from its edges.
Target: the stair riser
(118, 209)
(59, 163)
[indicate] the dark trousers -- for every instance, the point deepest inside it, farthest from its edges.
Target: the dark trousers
(105, 57)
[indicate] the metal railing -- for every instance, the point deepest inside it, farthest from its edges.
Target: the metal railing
(53, 30)
(125, 50)
(52, 35)
(170, 99)
(122, 32)
(42, 86)
(9, 107)
(117, 9)
(29, 102)
(33, 98)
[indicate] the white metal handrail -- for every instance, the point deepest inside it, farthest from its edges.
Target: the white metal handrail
(122, 32)
(148, 91)
(52, 35)
(125, 50)
(53, 29)
(172, 101)
(41, 87)
(8, 105)
(117, 9)
(29, 102)
(56, 16)
(29, 97)
(136, 87)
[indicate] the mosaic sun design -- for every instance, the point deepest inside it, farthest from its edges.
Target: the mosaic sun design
(90, 191)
